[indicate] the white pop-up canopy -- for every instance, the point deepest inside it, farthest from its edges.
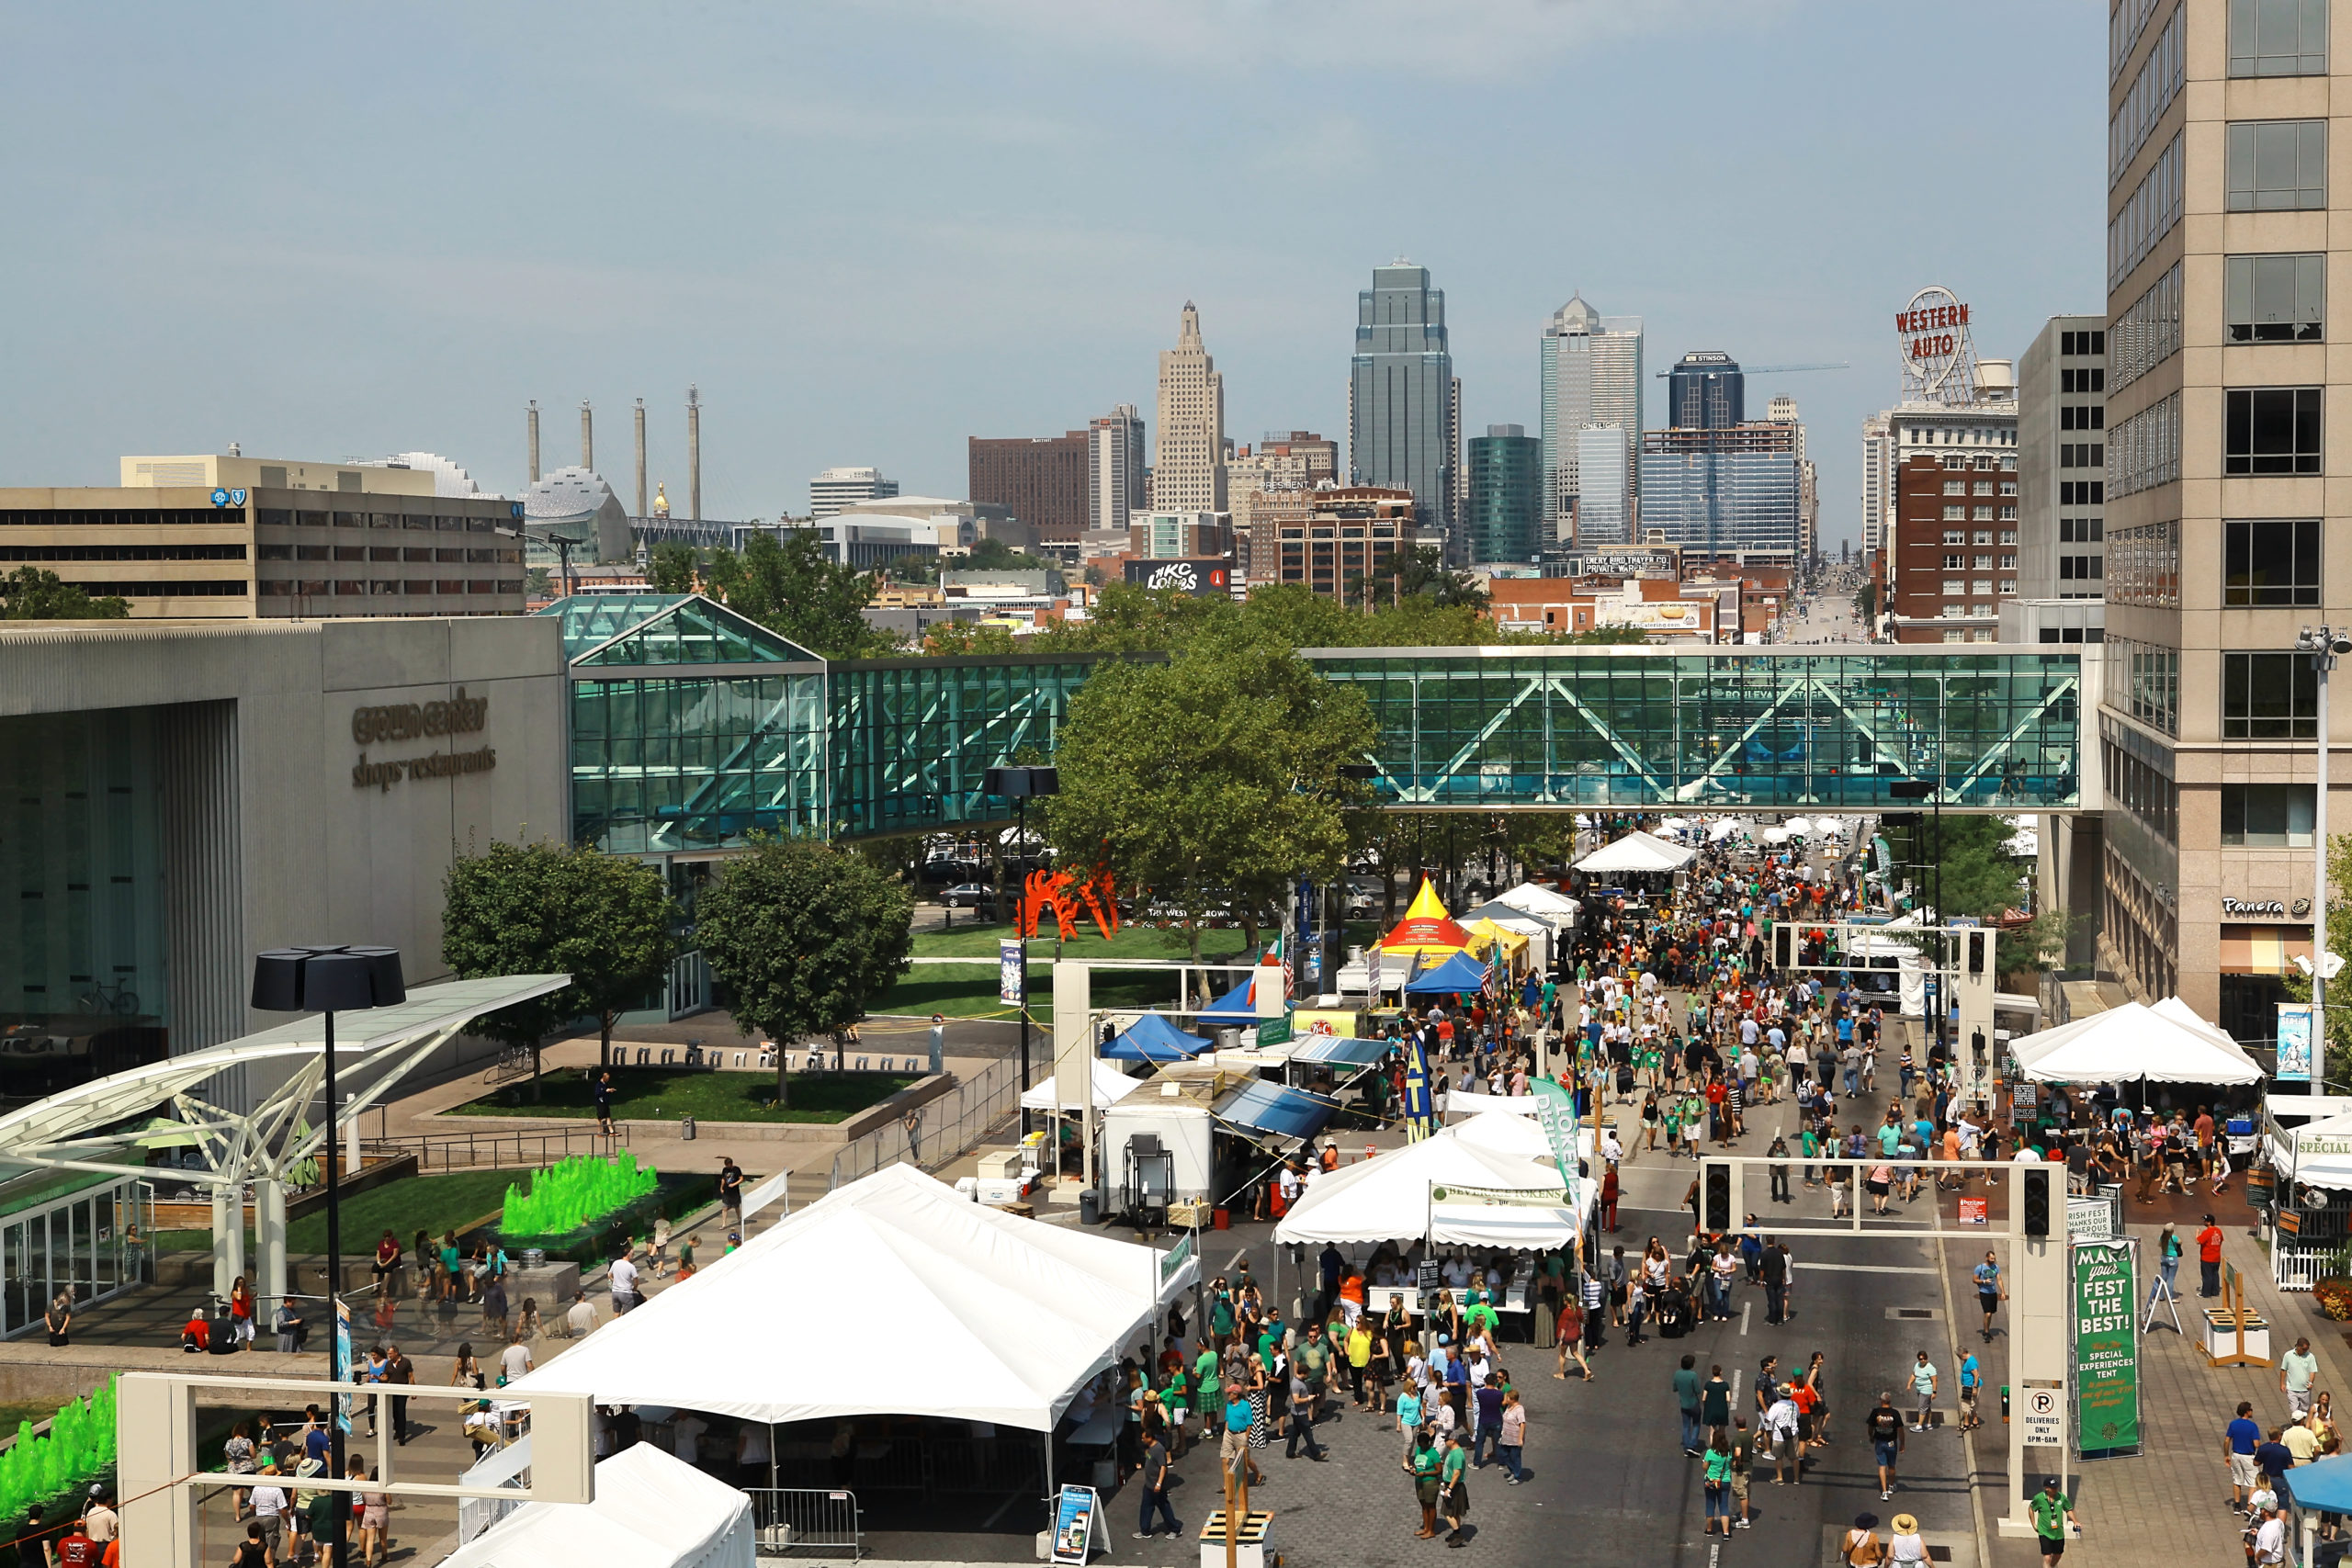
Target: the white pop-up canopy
(651, 1511)
(1111, 1086)
(1638, 852)
(2165, 1044)
(1024, 1313)
(2317, 1154)
(1540, 901)
(1387, 1197)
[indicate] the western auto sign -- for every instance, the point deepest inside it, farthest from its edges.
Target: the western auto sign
(1932, 330)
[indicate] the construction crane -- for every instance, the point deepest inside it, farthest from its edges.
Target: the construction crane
(1775, 370)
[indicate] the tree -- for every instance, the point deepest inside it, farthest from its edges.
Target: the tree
(2337, 1048)
(1211, 780)
(1866, 603)
(1421, 573)
(1979, 876)
(794, 589)
(942, 639)
(991, 555)
(33, 594)
(672, 569)
(605, 920)
(804, 935)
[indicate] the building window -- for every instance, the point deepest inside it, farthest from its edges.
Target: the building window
(1980, 585)
(2147, 334)
(2008, 487)
(1954, 613)
(2008, 536)
(1955, 487)
(2080, 416)
(2269, 696)
(2278, 37)
(2009, 563)
(1955, 563)
(1982, 536)
(2270, 563)
(1955, 513)
(1955, 536)
(2271, 430)
(2278, 165)
(2275, 298)
(2009, 585)
(1954, 586)
(1981, 563)
(2266, 816)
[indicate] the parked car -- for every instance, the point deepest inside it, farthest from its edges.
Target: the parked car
(970, 895)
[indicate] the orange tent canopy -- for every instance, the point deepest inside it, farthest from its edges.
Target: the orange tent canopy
(1427, 930)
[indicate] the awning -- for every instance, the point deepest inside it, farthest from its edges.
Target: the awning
(2325, 1485)
(1111, 1086)
(1152, 1038)
(1237, 1006)
(1342, 1048)
(2263, 950)
(1286, 1112)
(2165, 1043)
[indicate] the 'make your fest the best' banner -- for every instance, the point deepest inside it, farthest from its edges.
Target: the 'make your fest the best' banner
(2107, 1347)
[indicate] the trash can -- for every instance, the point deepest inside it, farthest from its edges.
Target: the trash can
(1090, 1206)
(686, 1128)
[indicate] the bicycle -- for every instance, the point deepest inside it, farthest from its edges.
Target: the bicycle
(110, 995)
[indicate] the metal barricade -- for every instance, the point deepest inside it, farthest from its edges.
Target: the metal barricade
(791, 1520)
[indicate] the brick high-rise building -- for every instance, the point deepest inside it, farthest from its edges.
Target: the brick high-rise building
(1041, 480)
(1270, 482)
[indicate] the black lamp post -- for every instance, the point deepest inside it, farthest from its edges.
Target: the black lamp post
(331, 981)
(1017, 784)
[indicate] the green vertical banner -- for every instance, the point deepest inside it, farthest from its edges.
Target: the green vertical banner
(1555, 1108)
(2107, 1347)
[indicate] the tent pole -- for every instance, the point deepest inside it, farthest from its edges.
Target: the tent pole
(1050, 1493)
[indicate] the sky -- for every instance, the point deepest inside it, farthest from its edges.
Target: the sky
(867, 232)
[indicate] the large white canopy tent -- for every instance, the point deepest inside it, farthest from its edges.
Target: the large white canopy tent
(1387, 1197)
(2165, 1044)
(651, 1511)
(1022, 1315)
(1111, 1086)
(1637, 851)
(1540, 901)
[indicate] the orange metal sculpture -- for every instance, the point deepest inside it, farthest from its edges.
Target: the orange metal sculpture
(1063, 891)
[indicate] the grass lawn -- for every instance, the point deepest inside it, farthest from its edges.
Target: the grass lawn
(1133, 942)
(436, 1203)
(666, 1094)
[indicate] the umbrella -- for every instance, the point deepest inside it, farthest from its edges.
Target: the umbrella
(1776, 835)
(1797, 826)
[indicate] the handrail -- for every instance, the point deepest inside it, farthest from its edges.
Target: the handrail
(442, 1151)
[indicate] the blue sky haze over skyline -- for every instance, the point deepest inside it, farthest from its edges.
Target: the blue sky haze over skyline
(867, 232)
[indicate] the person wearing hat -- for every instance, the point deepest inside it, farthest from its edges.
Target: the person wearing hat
(2053, 1514)
(1904, 1547)
(270, 1508)
(1860, 1547)
(98, 1519)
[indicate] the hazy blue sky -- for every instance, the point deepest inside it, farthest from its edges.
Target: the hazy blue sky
(870, 231)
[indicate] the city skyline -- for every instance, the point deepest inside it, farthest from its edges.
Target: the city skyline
(210, 285)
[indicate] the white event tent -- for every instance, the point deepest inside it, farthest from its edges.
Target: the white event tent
(1387, 1197)
(1024, 1313)
(651, 1511)
(1637, 851)
(2164, 1043)
(1111, 1086)
(1540, 901)
(2317, 1154)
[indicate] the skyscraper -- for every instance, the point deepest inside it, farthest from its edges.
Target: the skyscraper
(1590, 374)
(1404, 405)
(1190, 476)
(1117, 473)
(1706, 391)
(1878, 482)
(1039, 480)
(1504, 496)
(1605, 468)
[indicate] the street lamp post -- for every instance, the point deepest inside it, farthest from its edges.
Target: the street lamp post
(2324, 645)
(331, 981)
(1017, 784)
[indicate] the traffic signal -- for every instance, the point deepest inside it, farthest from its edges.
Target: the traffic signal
(1784, 946)
(2037, 1201)
(1715, 1199)
(1977, 952)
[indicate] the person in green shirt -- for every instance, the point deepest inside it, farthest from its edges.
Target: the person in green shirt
(1453, 1490)
(1205, 1373)
(2052, 1511)
(1718, 1484)
(1422, 1464)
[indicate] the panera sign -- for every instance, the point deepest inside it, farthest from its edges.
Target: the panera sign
(461, 714)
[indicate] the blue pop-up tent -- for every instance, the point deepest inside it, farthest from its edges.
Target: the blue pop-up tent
(1152, 1038)
(1459, 973)
(1237, 1007)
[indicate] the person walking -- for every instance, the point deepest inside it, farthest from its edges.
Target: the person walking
(1424, 1463)
(1925, 1382)
(1154, 1475)
(1513, 1441)
(603, 1090)
(1302, 1417)
(1780, 1429)
(1233, 1447)
(1884, 1426)
(2239, 1439)
(1718, 1484)
(1971, 1378)
(2054, 1515)
(398, 1372)
(1991, 1292)
(1714, 1402)
(1774, 1268)
(1686, 1396)
(2297, 1368)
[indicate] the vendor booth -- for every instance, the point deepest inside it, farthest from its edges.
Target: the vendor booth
(651, 1511)
(1152, 1038)
(1637, 852)
(2165, 1044)
(833, 1330)
(1542, 902)
(1461, 973)
(1427, 932)
(2317, 1497)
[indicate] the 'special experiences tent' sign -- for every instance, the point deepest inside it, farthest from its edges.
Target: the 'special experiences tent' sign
(2107, 1347)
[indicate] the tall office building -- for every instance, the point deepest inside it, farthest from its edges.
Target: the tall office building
(2217, 501)
(1722, 493)
(1782, 410)
(1878, 483)
(1190, 476)
(1590, 374)
(1118, 476)
(2061, 434)
(1268, 484)
(1603, 503)
(1706, 391)
(1403, 405)
(1041, 480)
(1504, 504)
(837, 488)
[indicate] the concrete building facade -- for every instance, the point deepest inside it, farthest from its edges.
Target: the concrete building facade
(1189, 475)
(2061, 438)
(1118, 469)
(1043, 480)
(837, 488)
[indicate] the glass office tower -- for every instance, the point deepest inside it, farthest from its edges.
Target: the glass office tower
(1404, 407)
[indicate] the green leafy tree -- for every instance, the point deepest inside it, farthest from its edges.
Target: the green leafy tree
(1979, 876)
(792, 587)
(605, 920)
(1421, 573)
(1211, 780)
(994, 555)
(804, 935)
(33, 594)
(2339, 940)
(942, 639)
(1866, 602)
(1608, 636)
(672, 569)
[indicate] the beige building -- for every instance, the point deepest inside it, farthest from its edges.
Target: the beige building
(1190, 474)
(2220, 466)
(230, 537)
(1268, 483)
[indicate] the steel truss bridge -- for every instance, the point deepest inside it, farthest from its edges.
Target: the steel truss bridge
(692, 728)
